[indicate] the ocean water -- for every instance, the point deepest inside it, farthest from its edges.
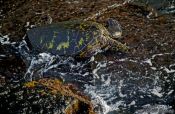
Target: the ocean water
(119, 86)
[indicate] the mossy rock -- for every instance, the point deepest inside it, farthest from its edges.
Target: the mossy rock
(44, 96)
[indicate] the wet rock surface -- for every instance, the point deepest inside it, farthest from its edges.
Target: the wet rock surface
(147, 71)
(43, 96)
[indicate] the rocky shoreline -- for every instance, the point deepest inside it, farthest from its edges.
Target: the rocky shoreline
(145, 37)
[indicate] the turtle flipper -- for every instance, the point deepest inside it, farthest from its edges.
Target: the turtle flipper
(115, 45)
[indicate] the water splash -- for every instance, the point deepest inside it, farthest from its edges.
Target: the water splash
(127, 84)
(118, 86)
(155, 109)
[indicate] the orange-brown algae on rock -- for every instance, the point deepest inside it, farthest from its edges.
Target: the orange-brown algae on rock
(74, 108)
(76, 103)
(30, 84)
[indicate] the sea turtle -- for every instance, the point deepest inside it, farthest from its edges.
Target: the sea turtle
(76, 38)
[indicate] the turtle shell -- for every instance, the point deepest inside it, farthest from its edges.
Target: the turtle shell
(64, 38)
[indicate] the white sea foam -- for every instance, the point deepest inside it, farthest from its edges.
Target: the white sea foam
(148, 61)
(103, 96)
(110, 89)
(168, 70)
(99, 66)
(155, 109)
(4, 39)
(157, 92)
(39, 61)
(107, 91)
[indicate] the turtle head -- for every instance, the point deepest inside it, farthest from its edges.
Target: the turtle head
(114, 28)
